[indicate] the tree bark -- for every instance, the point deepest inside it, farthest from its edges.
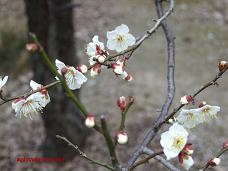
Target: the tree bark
(55, 29)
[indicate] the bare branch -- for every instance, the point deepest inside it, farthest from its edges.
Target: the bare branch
(166, 163)
(170, 77)
(145, 160)
(84, 155)
(5, 100)
(220, 153)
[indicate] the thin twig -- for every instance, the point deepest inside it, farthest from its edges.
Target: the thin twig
(29, 93)
(145, 160)
(84, 155)
(160, 159)
(219, 154)
(170, 77)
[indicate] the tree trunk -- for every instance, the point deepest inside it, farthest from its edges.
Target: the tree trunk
(54, 28)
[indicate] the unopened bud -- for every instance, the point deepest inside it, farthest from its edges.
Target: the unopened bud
(225, 144)
(90, 121)
(101, 58)
(122, 137)
(214, 162)
(186, 99)
(222, 65)
(82, 68)
(32, 47)
(118, 69)
(121, 61)
(201, 104)
(129, 78)
(188, 149)
(122, 103)
(95, 70)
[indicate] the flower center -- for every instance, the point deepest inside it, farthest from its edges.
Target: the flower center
(120, 38)
(206, 110)
(178, 142)
(190, 116)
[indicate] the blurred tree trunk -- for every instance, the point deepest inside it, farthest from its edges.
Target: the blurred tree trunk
(55, 29)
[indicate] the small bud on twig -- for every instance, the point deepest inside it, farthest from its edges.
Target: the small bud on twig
(222, 65)
(82, 68)
(201, 104)
(122, 137)
(225, 144)
(186, 99)
(90, 121)
(32, 47)
(214, 162)
(122, 103)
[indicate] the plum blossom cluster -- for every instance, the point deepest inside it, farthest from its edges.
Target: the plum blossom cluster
(174, 141)
(119, 40)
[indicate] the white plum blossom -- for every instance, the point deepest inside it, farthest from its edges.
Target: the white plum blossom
(188, 162)
(120, 38)
(3, 81)
(207, 112)
(45, 98)
(73, 77)
(94, 46)
(189, 118)
(28, 106)
(173, 140)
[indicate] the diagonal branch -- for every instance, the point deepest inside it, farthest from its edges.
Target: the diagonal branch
(171, 84)
(83, 154)
(166, 163)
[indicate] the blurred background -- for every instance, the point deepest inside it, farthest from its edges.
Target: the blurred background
(64, 28)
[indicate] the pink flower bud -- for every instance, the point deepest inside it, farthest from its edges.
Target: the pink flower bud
(64, 70)
(201, 104)
(225, 144)
(90, 121)
(95, 70)
(118, 69)
(222, 65)
(121, 61)
(129, 78)
(121, 137)
(186, 99)
(188, 149)
(32, 47)
(214, 162)
(82, 68)
(122, 103)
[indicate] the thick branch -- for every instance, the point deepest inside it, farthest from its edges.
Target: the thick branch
(83, 154)
(171, 84)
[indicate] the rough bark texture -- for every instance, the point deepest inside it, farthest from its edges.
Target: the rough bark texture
(54, 28)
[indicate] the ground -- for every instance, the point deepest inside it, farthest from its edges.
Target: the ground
(200, 28)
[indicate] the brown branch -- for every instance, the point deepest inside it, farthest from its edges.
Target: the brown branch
(83, 154)
(145, 160)
(210, 83)
(220, 153)
(146, 35)
(160, 159)
(170, 77)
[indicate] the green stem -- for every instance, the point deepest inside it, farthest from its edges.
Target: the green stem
(52, 67)
(109, 142)
(124, 114)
